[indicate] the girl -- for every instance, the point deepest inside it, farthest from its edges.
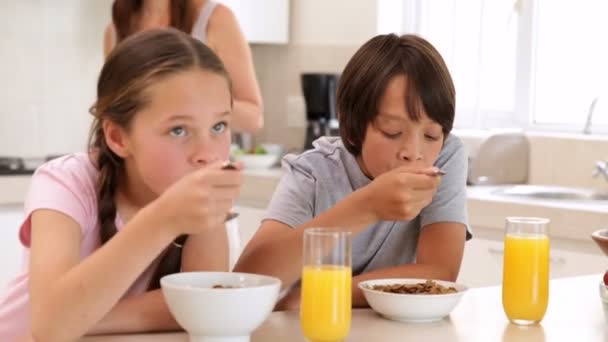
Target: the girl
(396, 105)
(212, 23)
(100, 226)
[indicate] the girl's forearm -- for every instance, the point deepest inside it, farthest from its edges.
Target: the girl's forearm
(86, 293)
(147, 312)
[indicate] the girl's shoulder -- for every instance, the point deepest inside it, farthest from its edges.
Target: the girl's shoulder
(76, 164)
(73, 173)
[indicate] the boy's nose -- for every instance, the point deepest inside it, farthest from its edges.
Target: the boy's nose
(411, 151)
(410, 155)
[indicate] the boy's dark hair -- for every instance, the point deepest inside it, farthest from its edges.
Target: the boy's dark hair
(368, 72)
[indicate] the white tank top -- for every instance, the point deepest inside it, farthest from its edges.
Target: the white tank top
(199, 28)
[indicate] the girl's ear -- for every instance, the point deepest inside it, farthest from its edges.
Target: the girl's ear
(116, 138)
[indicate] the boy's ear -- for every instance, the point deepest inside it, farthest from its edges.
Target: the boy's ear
(116, 138)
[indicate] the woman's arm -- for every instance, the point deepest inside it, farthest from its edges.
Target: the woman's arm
(72, 294)
(109, 36)
(224, 36)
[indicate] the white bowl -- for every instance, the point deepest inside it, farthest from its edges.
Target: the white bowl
(220, 314)
(411, 307)
(257, 161)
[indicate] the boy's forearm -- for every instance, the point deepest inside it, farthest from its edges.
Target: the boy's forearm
(282, 256)
(421, 271)
(147, 312)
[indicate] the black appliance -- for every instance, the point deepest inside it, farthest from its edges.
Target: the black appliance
(319, 91)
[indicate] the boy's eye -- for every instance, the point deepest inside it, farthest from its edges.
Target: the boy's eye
(391, 135)
(178, 131)
(219, 127)
(430, 137)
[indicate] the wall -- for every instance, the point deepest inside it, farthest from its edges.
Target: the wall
(51, 56)
(323, 37)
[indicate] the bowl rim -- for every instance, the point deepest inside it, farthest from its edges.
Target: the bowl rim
(410, 281)
(597, 236)
(165, 283)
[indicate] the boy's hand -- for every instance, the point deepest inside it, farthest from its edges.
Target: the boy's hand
(402, 193)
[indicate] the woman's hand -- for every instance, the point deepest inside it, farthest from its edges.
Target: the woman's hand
(200, 200)
(402, 193)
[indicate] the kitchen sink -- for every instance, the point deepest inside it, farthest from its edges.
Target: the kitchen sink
(548, 192)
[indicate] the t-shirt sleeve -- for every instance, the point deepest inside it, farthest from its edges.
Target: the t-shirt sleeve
(292, 202)
(60, 187)
(450, 201)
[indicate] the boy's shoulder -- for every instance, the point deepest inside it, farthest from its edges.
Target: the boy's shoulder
(327, 155)
(453, 142)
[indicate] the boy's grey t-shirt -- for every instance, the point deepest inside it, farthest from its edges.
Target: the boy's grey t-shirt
(316, 180)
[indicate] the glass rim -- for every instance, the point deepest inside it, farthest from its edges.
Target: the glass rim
(327, 232)
(527, 220)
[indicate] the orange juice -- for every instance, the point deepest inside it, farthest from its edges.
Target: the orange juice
(525, 288)
(325, 309)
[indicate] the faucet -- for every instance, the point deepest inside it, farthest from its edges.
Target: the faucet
(587, 129)
(601, 167)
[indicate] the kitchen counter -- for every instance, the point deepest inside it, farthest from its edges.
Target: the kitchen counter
(573, 220)
(575, 313)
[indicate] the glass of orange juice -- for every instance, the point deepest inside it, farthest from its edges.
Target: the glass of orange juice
(525, 284)
(325, 309)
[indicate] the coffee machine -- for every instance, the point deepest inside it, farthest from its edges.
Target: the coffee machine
(320, 98)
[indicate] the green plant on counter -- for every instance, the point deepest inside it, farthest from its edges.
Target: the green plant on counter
(256, 150)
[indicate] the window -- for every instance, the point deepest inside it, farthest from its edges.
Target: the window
(534, 64)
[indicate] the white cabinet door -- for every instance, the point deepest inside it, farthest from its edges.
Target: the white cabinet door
(483, 259)
(481, 263)
(10, 247)
(262, 21)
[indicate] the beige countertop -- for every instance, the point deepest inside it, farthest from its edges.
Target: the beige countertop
(575, 313)
(573, 220)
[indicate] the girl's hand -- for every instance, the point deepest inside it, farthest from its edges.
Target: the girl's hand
(200, 200)
(402, 193)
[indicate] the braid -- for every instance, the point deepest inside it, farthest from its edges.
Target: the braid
(133, 65)
(109, 168)
(170, 262)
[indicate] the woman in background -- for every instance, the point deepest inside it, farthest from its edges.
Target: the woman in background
(212, 23)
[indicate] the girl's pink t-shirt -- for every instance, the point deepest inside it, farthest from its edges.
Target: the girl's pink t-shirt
(67, 185)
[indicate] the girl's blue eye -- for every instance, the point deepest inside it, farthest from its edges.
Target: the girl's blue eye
(178, 131)
(219, 127)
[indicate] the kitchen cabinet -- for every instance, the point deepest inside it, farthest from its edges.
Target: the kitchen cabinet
(262, 21)
(483, 259)
(10, 247)
(247, 224)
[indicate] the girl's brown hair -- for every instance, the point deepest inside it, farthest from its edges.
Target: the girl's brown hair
(136, 63)
(125, 14)
(429, 89)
